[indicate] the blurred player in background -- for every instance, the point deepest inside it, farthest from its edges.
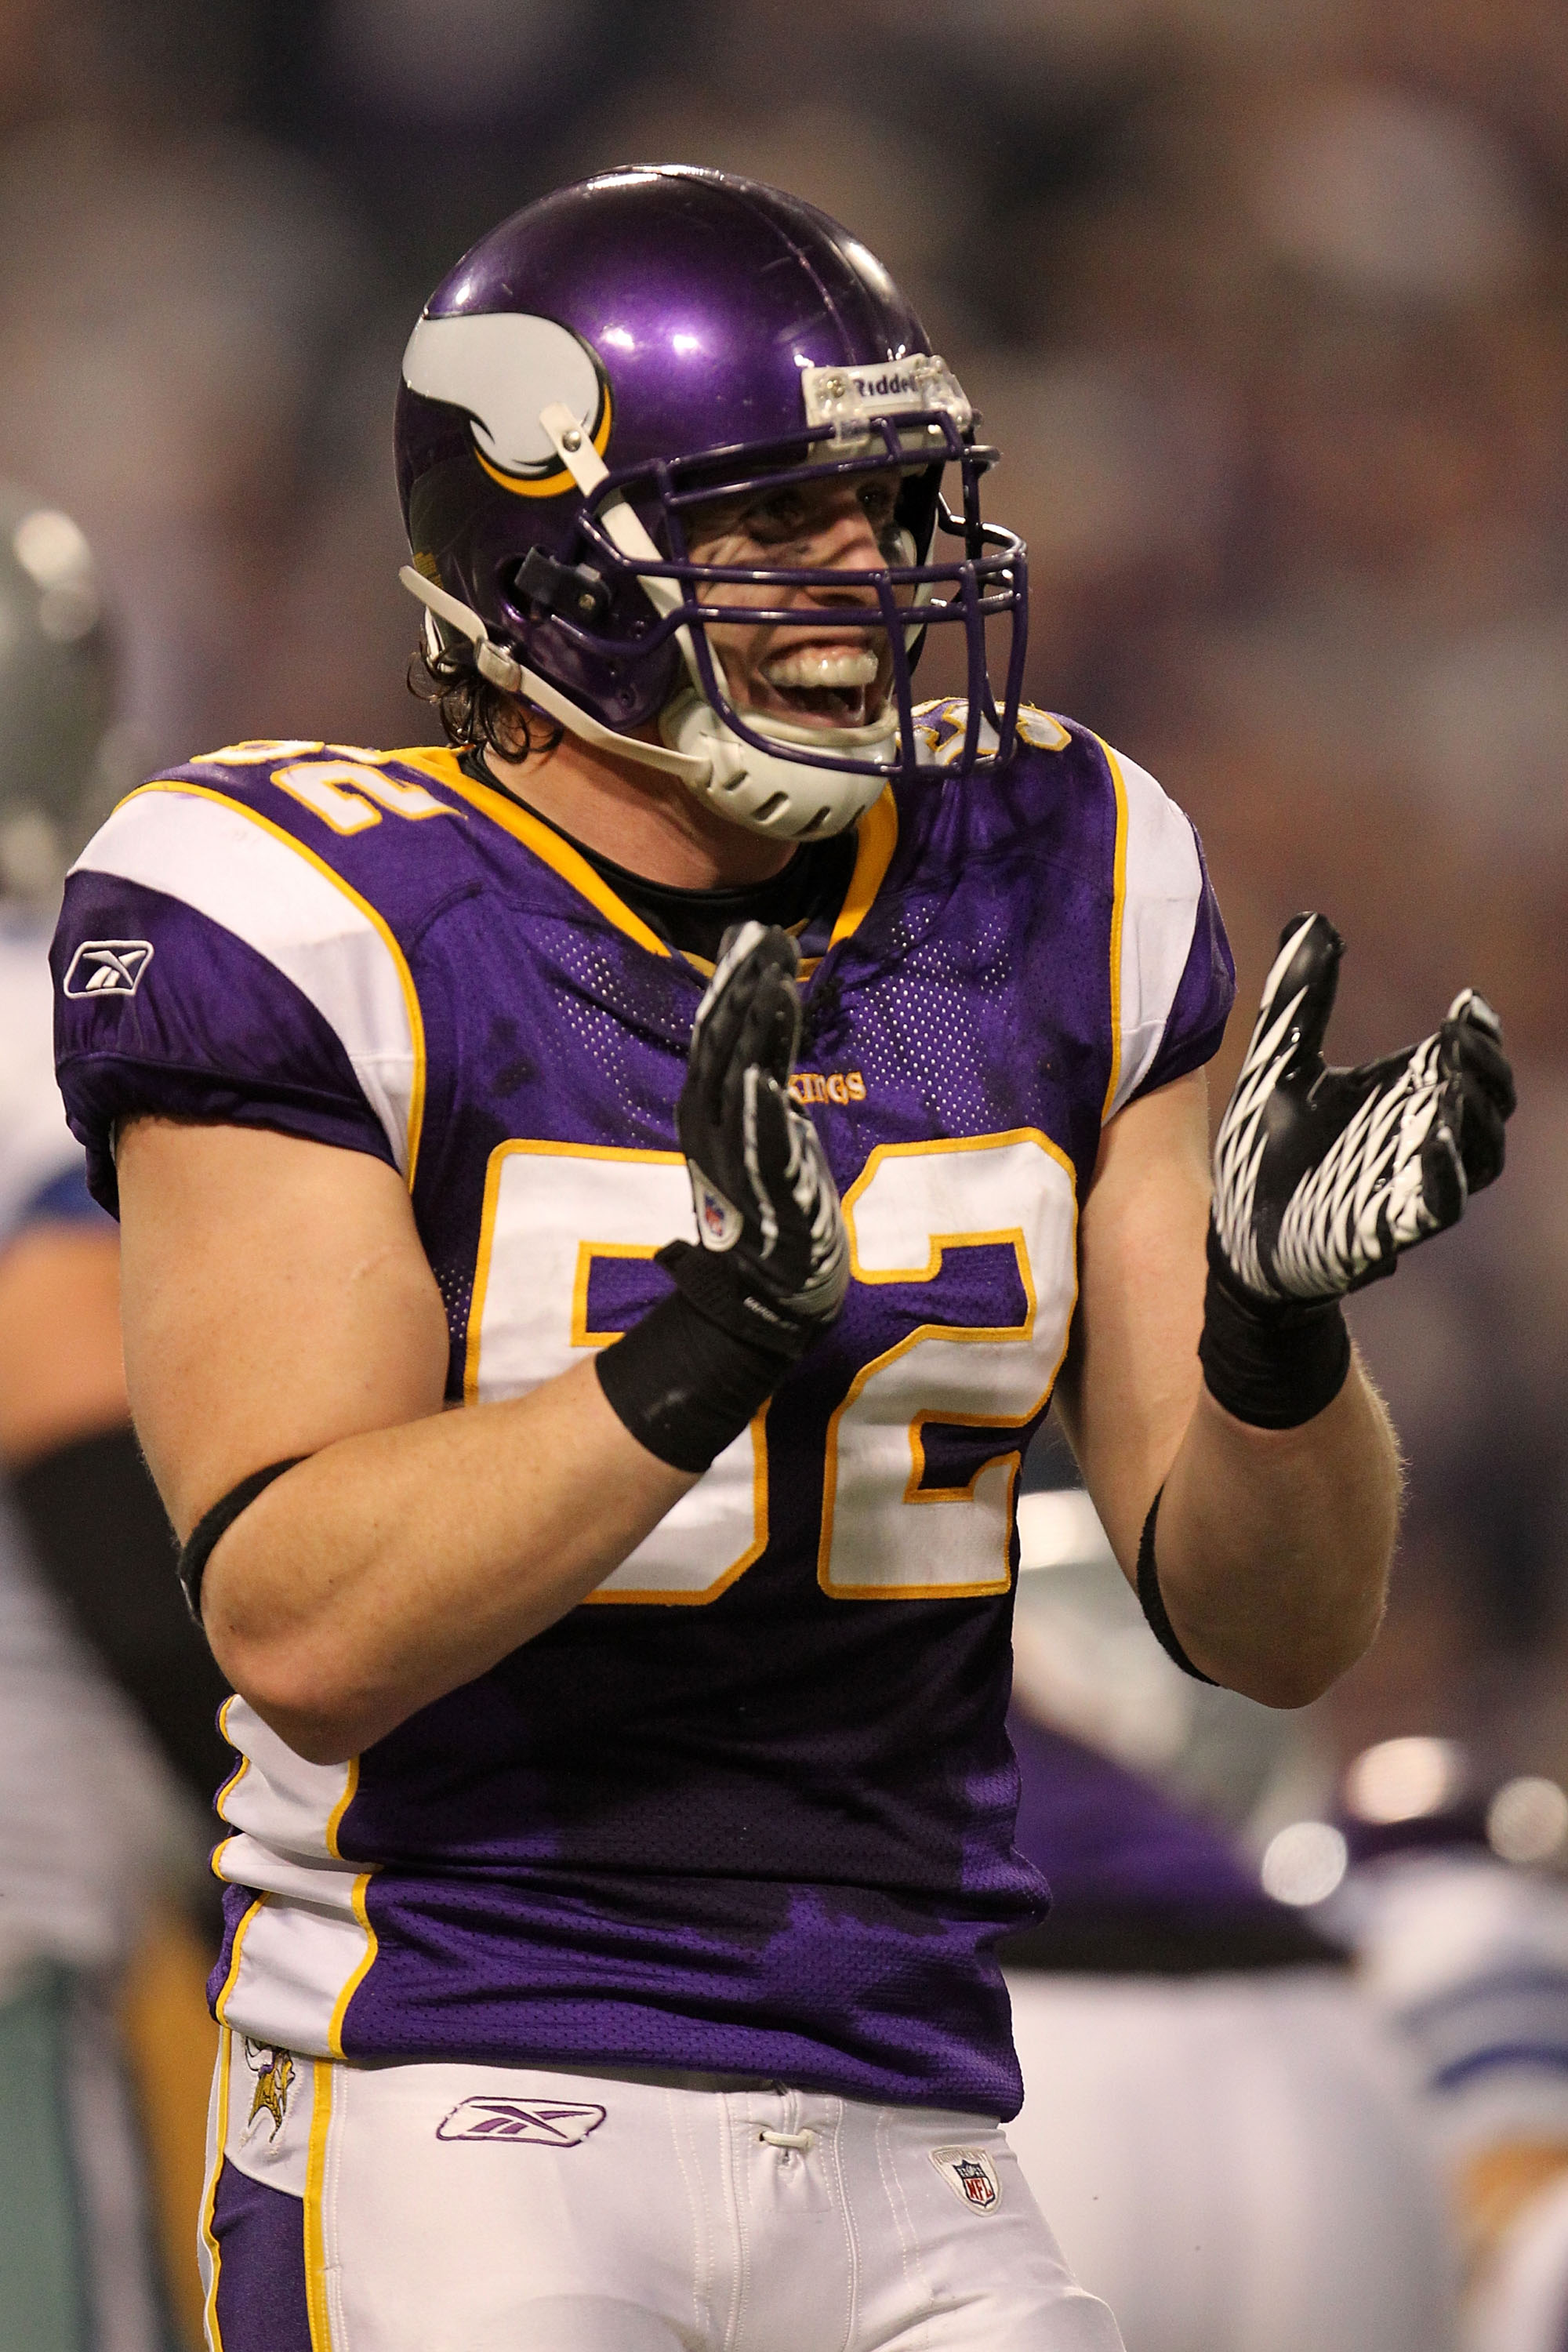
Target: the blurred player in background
(623, 1758)
(1457, 1908)
(1222, 2128)
(91, 1511)
(1212, 2117)
(90, 1831)
(102, 1837)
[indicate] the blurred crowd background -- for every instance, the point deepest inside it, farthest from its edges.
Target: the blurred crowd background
(1265, 302)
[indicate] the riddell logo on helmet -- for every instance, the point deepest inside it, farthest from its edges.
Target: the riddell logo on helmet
(834, 1086)
(889, 384)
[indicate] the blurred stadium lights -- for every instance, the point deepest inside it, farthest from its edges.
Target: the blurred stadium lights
(1527, 1820)
(1304, 1863)
(1400, 1780)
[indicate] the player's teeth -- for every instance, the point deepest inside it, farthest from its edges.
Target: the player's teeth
(831, 666)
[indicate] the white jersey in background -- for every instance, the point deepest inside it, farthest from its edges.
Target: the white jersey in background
(1467, 1958)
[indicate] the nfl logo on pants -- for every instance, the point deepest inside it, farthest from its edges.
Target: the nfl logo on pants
(970, 2174)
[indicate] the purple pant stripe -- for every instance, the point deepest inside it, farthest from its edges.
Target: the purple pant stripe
(261, 2235)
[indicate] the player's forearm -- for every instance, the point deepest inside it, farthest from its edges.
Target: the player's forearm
(1274, 1545)
(393, 1566)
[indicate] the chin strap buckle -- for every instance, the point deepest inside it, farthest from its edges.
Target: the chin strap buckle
(574, 590)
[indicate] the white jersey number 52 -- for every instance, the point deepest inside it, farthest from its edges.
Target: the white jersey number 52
(551, 1210)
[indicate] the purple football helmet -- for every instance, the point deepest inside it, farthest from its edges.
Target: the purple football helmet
(617, 355)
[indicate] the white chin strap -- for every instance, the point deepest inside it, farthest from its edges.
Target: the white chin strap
(785, 798)
(768, 794)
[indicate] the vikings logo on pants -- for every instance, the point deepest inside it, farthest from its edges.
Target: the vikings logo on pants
(274, 2072)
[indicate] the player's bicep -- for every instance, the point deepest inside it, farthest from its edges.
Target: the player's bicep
(1132, 1377)
(275, 1299)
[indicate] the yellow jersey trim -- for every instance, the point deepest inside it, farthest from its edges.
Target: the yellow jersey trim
(360, 1890)
(582, 1337)
(220, 2006)
(227, 1790)
(209, 2194)
(663, 1597)
(554, 850)
(315, 2232)
(877, 838)
(497, 1159)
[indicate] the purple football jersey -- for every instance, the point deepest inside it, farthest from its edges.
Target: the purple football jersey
(751, 1807)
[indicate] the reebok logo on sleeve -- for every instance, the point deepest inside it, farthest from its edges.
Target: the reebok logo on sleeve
(108, 967)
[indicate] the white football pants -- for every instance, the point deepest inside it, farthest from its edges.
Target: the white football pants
(485, 2208)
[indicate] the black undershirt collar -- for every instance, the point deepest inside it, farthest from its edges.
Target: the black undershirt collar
(804, 898)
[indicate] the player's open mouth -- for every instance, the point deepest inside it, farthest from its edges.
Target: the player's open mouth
(835, 684)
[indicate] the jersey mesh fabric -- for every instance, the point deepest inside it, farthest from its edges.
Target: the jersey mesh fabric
(770, 1832)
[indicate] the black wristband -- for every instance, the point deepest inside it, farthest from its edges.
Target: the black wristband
(707, 1278)
(1273, 1364)
(197, 1548)
(683, 1387)
(1152, 1601)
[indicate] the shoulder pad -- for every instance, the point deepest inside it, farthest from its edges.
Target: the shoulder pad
(315, 858)
(941, 725)
(349, 788)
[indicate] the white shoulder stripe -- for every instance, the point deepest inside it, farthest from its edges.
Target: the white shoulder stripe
(1162, 889)
(237, 869)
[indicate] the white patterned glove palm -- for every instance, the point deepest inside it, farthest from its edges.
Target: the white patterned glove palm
(1322, 1177)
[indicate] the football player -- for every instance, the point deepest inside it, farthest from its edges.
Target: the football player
(735, 1085)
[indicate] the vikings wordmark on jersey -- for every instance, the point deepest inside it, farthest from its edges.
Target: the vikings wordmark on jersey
(751, 1807)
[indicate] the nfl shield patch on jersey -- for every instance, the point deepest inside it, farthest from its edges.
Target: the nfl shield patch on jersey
(970, 2174)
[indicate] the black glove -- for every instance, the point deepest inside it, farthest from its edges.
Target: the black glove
(773, 1265)
(1323, 1176)
(773, 1262)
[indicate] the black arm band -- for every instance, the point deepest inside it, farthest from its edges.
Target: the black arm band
(684, 1388)
(1152, 1602)
(196, 1552)
(1271, 1364)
